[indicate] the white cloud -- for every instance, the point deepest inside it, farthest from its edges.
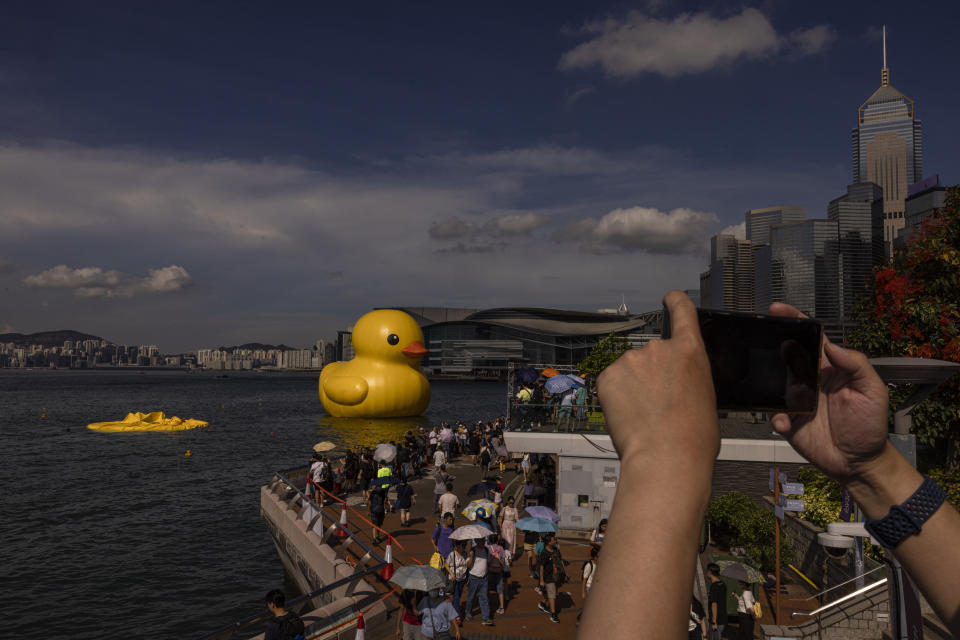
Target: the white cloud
(811, 41)
(738, 230)
(273, 234)
(94, 282)
(62, 276)
(689, 43)
(578, 92)
(642, 229)
(448, 228)
(501, 226)
(519, 224)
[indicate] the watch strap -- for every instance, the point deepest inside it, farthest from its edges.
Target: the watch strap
(906, 519)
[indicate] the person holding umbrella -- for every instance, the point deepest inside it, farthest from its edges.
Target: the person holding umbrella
(745, 613)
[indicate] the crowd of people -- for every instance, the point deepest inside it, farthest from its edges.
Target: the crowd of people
(565, 410)
(477, 571)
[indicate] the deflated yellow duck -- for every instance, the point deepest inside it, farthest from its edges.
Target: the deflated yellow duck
(383, 380)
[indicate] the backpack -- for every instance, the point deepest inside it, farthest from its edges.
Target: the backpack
(291, 627)
(494, 565)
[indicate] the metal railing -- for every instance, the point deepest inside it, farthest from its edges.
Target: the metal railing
(292, 496)
(835, 603)
(294, 605)
(817, 596)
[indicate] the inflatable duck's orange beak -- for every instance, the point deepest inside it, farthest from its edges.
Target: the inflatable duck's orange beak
(415, 350)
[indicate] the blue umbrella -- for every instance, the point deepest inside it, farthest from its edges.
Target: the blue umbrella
(559, 384)
(546, 513)
(538, 525)
(527, 374)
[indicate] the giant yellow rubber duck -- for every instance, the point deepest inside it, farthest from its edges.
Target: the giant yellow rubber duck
(383, 380)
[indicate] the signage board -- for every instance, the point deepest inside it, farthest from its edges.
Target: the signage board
(791, 504)
(778, 511)
(792, 488)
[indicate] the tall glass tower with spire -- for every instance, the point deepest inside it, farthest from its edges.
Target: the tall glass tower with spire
(888, 149)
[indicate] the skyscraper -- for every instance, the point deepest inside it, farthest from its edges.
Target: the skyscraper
(803, 258)
(759, 221)
(859, 218)
(888, 148)
(728, 284)
(758, 225)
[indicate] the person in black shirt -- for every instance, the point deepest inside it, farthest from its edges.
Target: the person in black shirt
(717, 604)
(284, 624)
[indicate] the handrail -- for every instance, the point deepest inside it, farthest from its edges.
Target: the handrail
(245, 622)
(845, 582)
(323, 514)
(380, 562)
(849, 596)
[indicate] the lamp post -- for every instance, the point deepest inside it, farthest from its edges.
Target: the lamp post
(927, 375)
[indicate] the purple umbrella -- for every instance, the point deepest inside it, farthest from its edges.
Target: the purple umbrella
(543, 512)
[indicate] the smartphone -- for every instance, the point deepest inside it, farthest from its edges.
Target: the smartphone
(760, 362)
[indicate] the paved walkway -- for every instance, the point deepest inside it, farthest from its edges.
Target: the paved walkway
(522, 618)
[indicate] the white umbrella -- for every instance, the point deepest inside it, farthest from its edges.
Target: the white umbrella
(419, 577)
(470, 532)
(385, 452)
(324, 446)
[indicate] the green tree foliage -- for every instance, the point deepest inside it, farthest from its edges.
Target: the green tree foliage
(738, 521)
(914, 312)
(603, 354)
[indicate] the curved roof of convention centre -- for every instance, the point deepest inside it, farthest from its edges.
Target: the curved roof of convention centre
(559, 322)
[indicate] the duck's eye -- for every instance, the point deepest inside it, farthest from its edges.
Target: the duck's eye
(393, 338)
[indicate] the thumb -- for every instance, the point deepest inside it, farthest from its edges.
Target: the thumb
(855, 364)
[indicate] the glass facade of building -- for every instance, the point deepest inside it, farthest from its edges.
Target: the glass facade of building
(887, 150)
(759, 221)
(859, 218)
(729, 282)
(484, 344)
(803, 265)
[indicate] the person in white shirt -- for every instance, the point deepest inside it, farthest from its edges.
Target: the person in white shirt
(457, 570)
(449, 502)
(439, 458)
(745, 602)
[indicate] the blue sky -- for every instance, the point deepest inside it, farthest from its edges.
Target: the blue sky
(194, 174)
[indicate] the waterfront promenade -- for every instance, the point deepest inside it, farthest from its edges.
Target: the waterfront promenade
(522, 619)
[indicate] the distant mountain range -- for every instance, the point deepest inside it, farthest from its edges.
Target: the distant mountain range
(47, 338)
(253, 346)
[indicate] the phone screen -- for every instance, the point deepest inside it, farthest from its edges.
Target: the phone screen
(760, 362)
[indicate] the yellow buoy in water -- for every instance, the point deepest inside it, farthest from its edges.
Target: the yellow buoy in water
(188, 454)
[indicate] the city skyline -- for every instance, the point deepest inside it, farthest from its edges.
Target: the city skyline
(206, 176)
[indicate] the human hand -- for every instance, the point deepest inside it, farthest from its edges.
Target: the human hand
(659, 401)
(849, 430)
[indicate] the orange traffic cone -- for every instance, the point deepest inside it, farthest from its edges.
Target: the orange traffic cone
(342, 531)
(360, 627)
(387, 572)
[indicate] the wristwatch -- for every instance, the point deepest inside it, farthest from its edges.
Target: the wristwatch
(906, 519)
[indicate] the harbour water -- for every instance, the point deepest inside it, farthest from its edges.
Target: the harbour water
(120, 535)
